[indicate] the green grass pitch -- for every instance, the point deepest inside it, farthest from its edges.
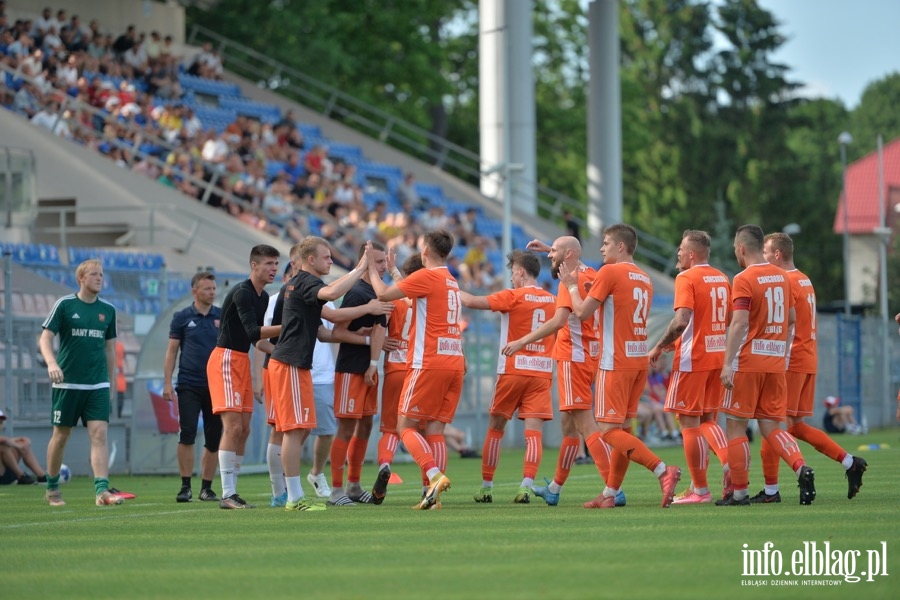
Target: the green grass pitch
(152, 547)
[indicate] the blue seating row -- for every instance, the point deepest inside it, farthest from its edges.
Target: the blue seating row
(32, 254)
(210, 87)
(126, 261)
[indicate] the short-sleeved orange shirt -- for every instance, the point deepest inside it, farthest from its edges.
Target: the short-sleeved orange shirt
(764, 349)
(435, 340)
(802, 351)
(625, 293)
(707, 292)
(522, 311)
(398, 329)
(578, 341)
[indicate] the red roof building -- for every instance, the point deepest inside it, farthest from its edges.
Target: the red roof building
(863, 220)
(862, 191)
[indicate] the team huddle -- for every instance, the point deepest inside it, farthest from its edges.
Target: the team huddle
(746, 349)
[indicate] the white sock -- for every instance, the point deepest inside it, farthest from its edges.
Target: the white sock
(432, 472)
(701, 491)
(660, 469)
(740, 494)
(554, 487)
(276, 471)
(610, 492)
(487, 484)
(294, 489)
(527, 482)
(847, 462)
(226, 472)
(771, 490)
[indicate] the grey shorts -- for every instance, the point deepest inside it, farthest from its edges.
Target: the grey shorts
(326, 424)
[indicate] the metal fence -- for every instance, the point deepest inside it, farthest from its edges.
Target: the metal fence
(147, 446)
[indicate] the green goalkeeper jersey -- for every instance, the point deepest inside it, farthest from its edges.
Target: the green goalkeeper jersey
(83, 329)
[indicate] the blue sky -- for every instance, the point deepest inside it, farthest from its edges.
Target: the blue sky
(837, 47)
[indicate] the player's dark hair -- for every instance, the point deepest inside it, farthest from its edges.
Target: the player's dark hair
(625, 234)
(413, 264)
(258, 253)
(526, 260)
(375, 245)
(751, 236)
(440, 241)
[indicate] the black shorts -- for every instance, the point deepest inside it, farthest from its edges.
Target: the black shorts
(191, 403)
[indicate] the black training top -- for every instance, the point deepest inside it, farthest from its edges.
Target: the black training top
(276, 320)
(243, 311)
(300, 320)
(354, 358)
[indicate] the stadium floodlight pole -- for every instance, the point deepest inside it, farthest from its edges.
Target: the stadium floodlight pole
(843, 139)
(884, 238)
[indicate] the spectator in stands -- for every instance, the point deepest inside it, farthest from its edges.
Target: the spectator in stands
(43, 25)
(6, 40)
(435, 218)
(135, 60)
(153, 46)
(572, 227)
(169, 49)
(67, 73)
(162, 79)
(206, 63)
(51, 43)
(215, 149)
(28, 100)
(125, 41)
(655, 391)
(839, 419)
(467, 223)
(19, 49)
(315, 159)
(99, 46)
(50, 118)
(14, 450)
(407, 194)
(477, 253)
(78, 34)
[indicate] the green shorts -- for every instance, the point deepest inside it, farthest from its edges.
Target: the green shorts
(71, 405)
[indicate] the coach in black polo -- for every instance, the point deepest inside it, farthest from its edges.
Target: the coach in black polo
(194, 331)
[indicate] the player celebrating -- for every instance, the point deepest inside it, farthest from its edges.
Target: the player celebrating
(623, 292)
(523, 379)
(434, 382)
(800, 379)
(698, 334)
(577, 354)
(395, 369)
(753, 373)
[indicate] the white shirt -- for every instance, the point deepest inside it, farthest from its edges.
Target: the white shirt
(323, 357)
(50, 120)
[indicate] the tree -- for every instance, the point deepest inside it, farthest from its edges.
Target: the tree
(875, 115)
(389, 53)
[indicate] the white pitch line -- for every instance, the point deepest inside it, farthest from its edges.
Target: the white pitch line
(118, 515)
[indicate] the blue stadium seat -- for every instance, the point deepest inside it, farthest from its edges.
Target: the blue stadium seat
(309, 131)
(209, 87)
(267, 113)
